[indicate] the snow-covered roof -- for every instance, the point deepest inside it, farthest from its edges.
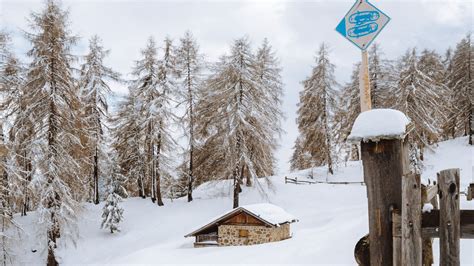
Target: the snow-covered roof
(265, 212)
(379, 124)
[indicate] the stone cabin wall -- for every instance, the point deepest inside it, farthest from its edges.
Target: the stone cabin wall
(257, 234)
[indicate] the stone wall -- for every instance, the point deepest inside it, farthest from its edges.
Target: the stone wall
(229, 234)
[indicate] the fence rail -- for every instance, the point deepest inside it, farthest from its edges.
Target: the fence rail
(296, 181)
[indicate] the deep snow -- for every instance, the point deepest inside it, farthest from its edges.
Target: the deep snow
(332, 218)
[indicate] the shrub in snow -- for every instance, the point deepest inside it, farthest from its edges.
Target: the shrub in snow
(112, 213)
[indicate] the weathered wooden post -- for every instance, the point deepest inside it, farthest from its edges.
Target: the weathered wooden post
(411, 220)
(385, 160)
(449, 217)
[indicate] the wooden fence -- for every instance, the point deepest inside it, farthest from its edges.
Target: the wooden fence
(297, 181)
(399, 232)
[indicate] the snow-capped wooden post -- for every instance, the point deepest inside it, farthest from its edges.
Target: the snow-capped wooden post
(449, 217)
(382, 135)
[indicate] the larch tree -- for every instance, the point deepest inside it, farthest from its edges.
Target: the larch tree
(268, 119)
(239, 114)
(51, 96)
(189, 66)
(15, 165)
(94, 91)
(418, 96)
(147, 125)
(127, 139)
(346, 113)
(315, 108)
(300, 159)
(461, 82)
(382, 77)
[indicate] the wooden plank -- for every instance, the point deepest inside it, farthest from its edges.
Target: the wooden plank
(470, 191)
(449, 220)
(427, 244)
(411, 220)
(397, 237)
(384, 163)
(431, 192)
(430, 224)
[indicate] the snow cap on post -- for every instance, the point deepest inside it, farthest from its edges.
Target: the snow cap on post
(378, 124)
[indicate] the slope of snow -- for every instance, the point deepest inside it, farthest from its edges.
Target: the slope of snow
(379, 124)
(332, 218)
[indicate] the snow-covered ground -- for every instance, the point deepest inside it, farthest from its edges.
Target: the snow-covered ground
(332, 218)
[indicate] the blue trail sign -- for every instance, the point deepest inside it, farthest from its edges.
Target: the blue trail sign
(362, 24)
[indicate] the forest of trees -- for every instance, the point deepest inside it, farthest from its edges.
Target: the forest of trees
(434, 91)
(62, 144)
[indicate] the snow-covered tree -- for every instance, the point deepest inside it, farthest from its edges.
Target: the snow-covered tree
(145, 121)
(418, 96)
(126, 134)
(238, 115)
(189, 67)
(18, 162)
(316, 105)
(52, 103)
(460, 82)
(346, 113)
(383, 78)
(300, 159)
(94, 90)
(112, 212)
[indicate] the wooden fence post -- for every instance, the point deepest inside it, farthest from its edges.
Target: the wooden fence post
(397, 237)
(411, 220)
(449, 220)
(384, 163)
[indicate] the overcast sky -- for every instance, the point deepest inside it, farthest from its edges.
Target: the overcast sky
(294, 28)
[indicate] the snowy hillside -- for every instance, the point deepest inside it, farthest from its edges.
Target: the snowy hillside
(332, 218)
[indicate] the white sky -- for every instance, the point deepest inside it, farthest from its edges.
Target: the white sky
(294, 28)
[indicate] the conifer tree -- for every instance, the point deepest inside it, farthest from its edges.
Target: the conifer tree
(127, 139)
(94, 90)
(316, 105)
(418, 97)
(238, 115)
(51, 101)
(112, 212)
(346, 113)
(460, 81)
(189, 67)
(381, 77)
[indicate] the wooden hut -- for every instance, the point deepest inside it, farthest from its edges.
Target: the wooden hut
(245, 225)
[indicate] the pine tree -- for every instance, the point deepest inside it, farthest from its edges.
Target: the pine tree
(52, 102)
(94, 90)
(112, 212)
(418, 97)
(316, 105)
(460, 81)
(189, 67)
(239, 115)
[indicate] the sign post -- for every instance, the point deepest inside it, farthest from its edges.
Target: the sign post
(362, 23)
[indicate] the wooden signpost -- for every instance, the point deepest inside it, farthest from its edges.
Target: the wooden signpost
(361, 25)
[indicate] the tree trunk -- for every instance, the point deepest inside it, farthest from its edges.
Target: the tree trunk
(191, 135)
(96, 177)
(158, 175)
